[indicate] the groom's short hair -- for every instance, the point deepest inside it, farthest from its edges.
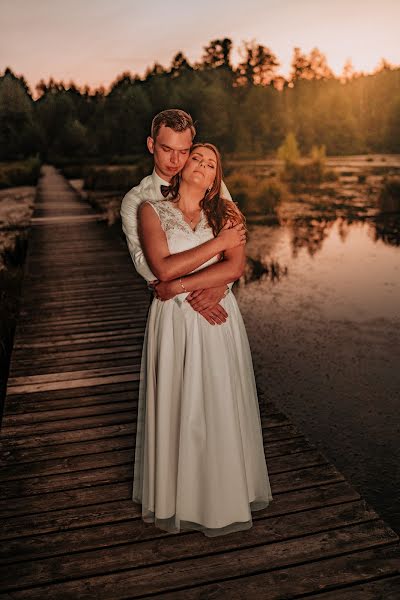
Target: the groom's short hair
(175, 118)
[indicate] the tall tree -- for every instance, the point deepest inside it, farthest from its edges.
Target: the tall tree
(155, 71)
(347, 71)
(258, 66)
(179, 65)
(217, 54)
(20, 135)
(310, 66)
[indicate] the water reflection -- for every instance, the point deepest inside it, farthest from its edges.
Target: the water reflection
(351, 268)
(309, 233)
(386, 228)
(259, 269)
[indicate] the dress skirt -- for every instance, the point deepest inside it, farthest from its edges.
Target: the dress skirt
(199, 454)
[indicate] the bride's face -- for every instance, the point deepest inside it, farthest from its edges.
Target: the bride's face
(201, 168)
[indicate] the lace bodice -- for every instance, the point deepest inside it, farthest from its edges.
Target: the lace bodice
(180, 235)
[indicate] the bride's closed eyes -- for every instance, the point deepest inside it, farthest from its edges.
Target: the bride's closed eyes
(197, 158)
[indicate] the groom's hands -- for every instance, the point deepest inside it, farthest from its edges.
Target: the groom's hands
(206, 302)
(206, 297)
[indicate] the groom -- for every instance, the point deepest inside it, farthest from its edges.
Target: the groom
(172, 133)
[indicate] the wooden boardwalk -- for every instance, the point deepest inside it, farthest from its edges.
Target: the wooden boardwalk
(68, 526)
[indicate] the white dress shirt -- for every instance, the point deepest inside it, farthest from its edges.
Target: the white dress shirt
(148, 189)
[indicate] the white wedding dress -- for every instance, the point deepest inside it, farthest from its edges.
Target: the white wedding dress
(199, 455)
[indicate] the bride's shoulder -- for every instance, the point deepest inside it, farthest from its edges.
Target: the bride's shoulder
(157, 205)
(149, 207)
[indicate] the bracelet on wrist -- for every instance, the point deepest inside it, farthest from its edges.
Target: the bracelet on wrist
(182, 286)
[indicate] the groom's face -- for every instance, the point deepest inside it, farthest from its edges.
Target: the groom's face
(171, 150)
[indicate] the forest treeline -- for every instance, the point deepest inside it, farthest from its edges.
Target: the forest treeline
(247, 109)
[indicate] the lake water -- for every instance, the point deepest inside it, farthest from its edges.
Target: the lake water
(325, 338)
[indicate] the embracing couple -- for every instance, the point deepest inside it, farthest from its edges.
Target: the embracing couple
(199, 453)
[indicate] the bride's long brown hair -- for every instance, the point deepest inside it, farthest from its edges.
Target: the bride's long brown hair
(216, 208)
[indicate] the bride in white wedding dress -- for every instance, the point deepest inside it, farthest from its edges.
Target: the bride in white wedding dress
(199, 455)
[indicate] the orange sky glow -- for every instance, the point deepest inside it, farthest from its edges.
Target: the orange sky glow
(95, 41)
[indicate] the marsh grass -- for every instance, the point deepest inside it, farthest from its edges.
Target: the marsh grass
(254, 195)
(389, 198)
(312, 171)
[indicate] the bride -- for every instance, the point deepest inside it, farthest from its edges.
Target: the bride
(199, 455)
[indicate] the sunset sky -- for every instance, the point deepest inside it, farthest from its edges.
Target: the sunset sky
(95, 40)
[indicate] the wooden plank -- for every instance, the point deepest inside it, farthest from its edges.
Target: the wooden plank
(30, 418)
(98, 432)
(95, 363)
(82, 333)
(66, 519)
(12, 435)
(316, 576)
(73, 383)
(70, 398)
(95, 324)
(85, 354)
(19, 456)
(63, 322)
(387, 588)
(172, 575)
(33, 423)
(55, 483)
(20, 382)
(39, 472)
(63, 219)
(44, 468)
(64, 437)
(83, 550)
(76, 305)
(96, 494)
(79, 341)
(116, 484)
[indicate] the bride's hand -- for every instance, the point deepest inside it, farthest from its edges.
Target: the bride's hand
(232, 235)
(164, 290)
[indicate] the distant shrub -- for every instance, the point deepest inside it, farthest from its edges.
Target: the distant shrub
(77, 171)
(116, 178)
(318, 154)
(24, 172)
(389, 198)
(362, 178)
(289, 151)
(253, 195)
(311, 171)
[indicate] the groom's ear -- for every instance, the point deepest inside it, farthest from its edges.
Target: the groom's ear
(150, 144)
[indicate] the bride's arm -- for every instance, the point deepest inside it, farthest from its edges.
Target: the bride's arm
(223, 272)
(166, 266)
